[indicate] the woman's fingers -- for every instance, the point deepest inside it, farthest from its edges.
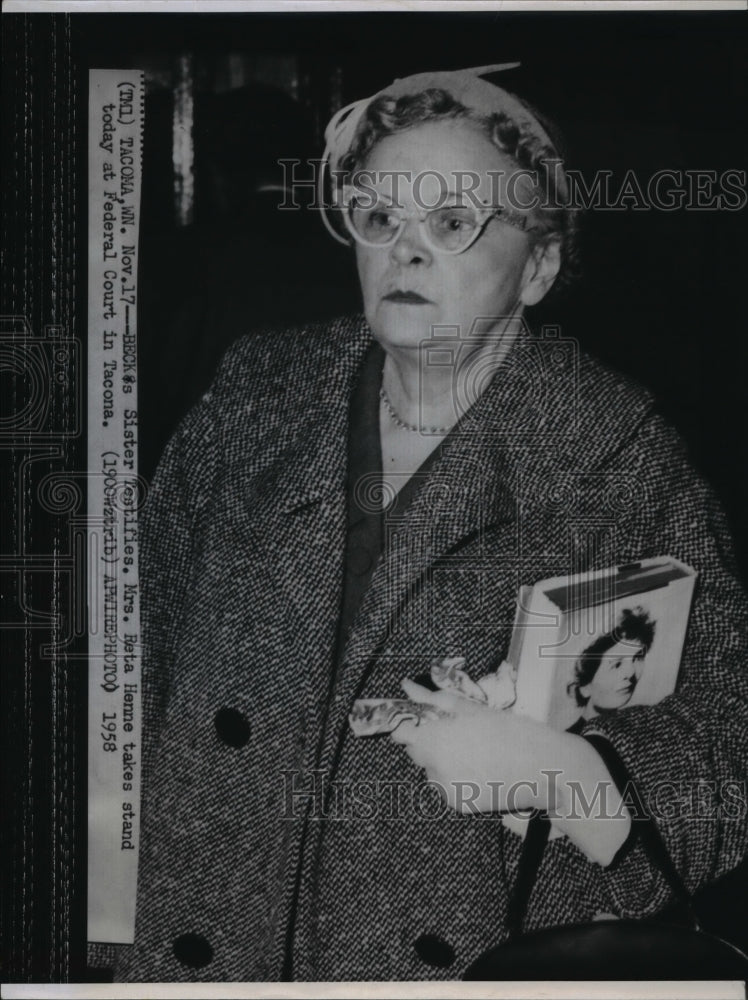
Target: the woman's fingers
(420, 757)
(449, 675)
(499, 688)
(420, 694)
(410, 737)
(405, 732)
(450, 701)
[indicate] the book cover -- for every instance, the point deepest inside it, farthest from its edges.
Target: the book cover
(600, 641)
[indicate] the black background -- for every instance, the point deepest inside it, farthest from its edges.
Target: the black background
(662, 294)
(661, 297)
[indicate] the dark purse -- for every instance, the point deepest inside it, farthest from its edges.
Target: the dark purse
(662, 947)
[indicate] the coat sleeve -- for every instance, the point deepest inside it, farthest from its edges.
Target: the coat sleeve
(176, 499)
(172, 504)
(687, 755)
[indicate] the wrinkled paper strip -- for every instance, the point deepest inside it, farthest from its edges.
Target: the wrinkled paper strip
(114, 717)
(372, 716)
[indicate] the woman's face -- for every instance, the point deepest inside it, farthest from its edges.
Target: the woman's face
(616, 678)
(492, 278)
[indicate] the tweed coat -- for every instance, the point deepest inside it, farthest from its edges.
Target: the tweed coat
(258, 802)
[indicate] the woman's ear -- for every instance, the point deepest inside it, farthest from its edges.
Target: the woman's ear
(541, 270)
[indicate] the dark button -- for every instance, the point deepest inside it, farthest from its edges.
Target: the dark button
(434, 950)
(359, 561)
(193, 950)
(232, 727)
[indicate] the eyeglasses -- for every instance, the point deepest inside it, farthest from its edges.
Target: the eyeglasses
(451, 230)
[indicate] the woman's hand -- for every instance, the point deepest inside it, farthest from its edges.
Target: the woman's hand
(486, 760)
(489, 760)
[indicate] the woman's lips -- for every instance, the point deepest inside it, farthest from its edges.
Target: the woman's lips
(412, 297)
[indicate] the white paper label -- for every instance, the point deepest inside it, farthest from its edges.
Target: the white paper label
(114, 494)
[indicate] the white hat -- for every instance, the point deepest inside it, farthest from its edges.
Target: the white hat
(464, 85)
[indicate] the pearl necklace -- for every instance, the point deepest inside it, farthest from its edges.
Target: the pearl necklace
(396, 419)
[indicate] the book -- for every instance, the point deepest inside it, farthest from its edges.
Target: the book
(600, 641)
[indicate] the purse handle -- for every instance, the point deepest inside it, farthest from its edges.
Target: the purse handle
(643, 829)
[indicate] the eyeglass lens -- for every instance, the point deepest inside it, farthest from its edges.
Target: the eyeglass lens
(449, 228)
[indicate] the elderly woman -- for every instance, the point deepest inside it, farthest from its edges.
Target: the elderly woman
(355, 499)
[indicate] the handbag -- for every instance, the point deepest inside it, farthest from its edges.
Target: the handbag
(671, 945)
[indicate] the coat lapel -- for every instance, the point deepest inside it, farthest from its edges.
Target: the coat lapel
(290, 510)
(472, 489)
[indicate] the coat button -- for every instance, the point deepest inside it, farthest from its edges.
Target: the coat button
(434, 950)
(232, 727)
(192, 950)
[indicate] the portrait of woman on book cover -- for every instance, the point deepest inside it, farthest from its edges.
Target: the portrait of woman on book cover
(610, 668)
